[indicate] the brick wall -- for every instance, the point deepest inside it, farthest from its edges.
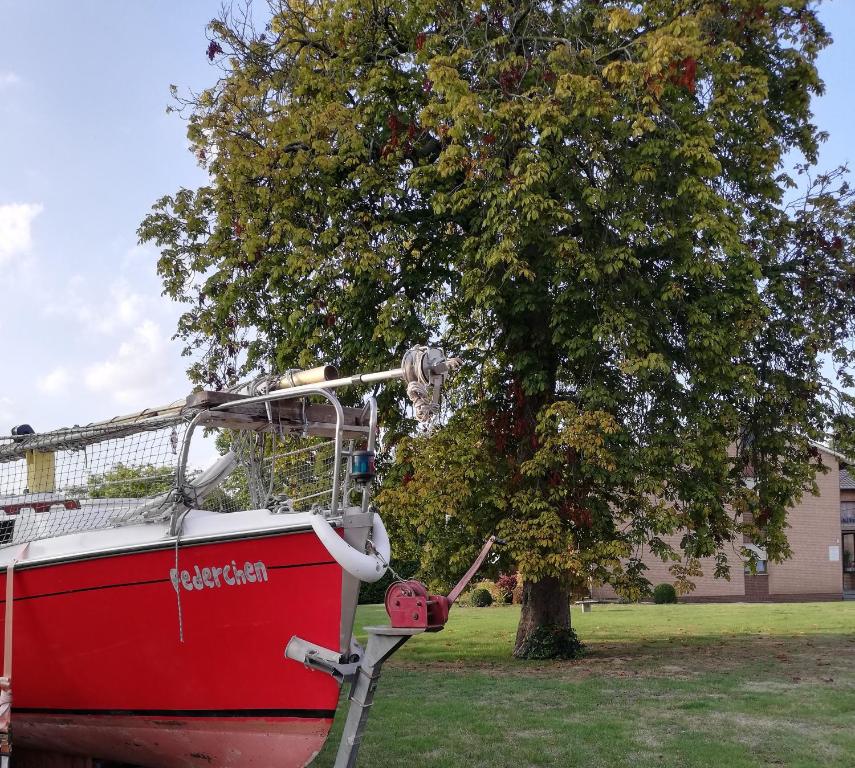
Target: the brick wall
(705, 586)
(757, 587)
(814, 525)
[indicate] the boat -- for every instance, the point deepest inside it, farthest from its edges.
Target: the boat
(148, 604)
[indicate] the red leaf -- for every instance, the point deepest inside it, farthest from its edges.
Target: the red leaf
(684, 73)
(689, 67)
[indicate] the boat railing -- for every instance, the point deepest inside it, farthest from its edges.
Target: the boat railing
(285, 452)
(283, 443)
(289, 452)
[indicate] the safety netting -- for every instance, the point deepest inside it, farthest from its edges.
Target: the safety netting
(85, 478)
(115, 474)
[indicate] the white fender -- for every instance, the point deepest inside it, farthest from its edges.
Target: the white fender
(364, 567)
(380, 538)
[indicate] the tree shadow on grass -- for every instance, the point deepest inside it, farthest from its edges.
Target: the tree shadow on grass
(815, 657)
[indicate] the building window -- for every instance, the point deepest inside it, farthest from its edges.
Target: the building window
(849, 552)
(759, 568)
(758, 556)
(847, 511)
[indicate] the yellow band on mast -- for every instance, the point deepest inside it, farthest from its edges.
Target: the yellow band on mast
(41, 472)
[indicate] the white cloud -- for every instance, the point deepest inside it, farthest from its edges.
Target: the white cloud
(97, 310)
(15, 228)
(54, 382)
(7, 410)
(137, 256)
(138, 370)
(8, 79)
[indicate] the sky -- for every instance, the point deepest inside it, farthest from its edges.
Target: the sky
(86, 147)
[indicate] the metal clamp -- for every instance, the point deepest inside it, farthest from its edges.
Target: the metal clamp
(319, 659)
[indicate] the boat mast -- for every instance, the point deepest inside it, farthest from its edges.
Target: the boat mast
(424, 369)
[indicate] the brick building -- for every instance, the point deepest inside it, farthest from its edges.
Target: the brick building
(821, 536)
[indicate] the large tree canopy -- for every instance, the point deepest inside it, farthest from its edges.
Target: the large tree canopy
(584, 199)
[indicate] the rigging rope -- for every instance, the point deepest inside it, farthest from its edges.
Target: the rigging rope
(425, 370)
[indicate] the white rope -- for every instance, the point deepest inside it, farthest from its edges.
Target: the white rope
(5, 704)
(425, 409)
(178, 594)
(178, 577)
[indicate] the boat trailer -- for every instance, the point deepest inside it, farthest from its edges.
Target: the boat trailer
(411, 611)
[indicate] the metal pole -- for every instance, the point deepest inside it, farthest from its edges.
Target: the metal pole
(382, 643)
(372, 441)
(6, 681)
(314, 389)
(10, 601)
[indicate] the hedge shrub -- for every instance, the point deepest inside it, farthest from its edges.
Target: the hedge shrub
(664, 593)
(481, 598)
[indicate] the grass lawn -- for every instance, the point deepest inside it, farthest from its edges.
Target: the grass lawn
(684, 685)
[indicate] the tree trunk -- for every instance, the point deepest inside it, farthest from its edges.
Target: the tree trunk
(544, 603)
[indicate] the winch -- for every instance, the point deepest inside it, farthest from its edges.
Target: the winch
(410, 606)
(411, 611)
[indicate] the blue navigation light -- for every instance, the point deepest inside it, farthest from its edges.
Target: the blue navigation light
(362, 467)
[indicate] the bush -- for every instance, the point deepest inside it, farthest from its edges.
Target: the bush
(664, 593)
(376, 593)
(551, 642)
(507, 583)
(491, 586)
(481, 598)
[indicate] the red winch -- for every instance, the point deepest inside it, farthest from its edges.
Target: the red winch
(409, 604)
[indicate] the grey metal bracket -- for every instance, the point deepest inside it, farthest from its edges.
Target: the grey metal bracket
(319, 659)
(363, 675)
(382, 643)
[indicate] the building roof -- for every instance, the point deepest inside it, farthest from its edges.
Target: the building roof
(847, 482)
(831, 452)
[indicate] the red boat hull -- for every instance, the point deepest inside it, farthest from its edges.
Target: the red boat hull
(190, 742)
(99, 667)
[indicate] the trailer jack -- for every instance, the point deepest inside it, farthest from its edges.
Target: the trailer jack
(411, 611)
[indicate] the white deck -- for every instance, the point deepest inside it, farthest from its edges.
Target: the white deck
(198, 525)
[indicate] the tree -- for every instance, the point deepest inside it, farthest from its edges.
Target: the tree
(588, 202)
(131, 482)
(140, 481)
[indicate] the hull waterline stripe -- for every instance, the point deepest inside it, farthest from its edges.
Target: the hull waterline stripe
(304, 714)
(151, 581)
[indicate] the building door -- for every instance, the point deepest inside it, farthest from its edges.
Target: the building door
(849, 561)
